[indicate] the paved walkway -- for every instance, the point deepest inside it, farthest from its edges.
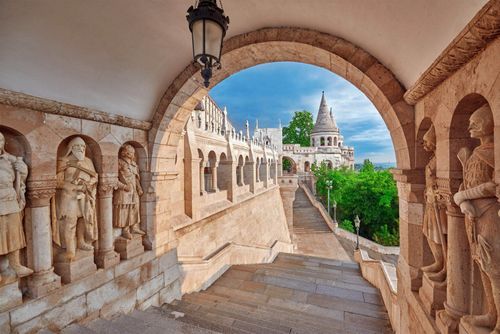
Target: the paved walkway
(312, 235)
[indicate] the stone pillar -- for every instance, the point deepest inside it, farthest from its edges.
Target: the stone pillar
(106, 256)
(252, 176)
(242, 175)
(202, 179)
(288, 186)
(459, 269)
(231, 177)
(266, 174)
(275, 176)
(192, 188)
(257, 171)
(411, 185)
(214, 177)
(43, 280)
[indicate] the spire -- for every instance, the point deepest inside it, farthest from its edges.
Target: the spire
(256, 124)
(324, 121)
(280, 123)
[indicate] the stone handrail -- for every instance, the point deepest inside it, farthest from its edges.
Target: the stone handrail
(198, 273)
(383, 276)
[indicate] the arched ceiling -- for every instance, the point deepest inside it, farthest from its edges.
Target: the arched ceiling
(119, 56)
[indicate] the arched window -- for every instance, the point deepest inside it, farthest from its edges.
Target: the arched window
(322, 141)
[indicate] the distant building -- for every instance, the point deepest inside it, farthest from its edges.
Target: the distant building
(327, 145)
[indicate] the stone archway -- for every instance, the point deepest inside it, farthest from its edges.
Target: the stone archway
(290, 167)
(287, 44)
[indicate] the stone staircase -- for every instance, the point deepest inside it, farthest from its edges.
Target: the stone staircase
(295, 294)
(306, 218)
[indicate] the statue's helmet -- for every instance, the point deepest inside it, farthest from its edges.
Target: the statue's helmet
(73, 142)
(481, 122)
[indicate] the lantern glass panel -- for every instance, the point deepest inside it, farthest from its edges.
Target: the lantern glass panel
(213, 39)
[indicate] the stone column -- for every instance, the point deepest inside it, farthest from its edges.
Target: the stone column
(43, 280)
(192, 186)
(242, 174)
(214, 177)
(266, 174)
(275, 176)
(257, 171)
(288, 186)
(458, 266)
(106, 256)
(252, 177)
(202, 179)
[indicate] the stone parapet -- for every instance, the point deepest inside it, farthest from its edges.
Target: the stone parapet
(146, 280)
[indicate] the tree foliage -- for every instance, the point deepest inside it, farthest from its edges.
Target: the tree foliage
(299, 129)
(371, 194)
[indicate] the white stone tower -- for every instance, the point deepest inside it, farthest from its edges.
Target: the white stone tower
(325, 132)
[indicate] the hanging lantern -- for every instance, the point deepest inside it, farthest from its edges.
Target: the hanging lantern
(208, 26)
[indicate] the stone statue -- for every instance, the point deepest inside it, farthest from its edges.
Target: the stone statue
(433, 226)
(76, 223)
(13, 173)
(126, 201)
(478, 202)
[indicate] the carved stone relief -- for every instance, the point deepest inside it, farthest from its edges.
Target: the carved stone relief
(126, 201)
(477, 200)
(433, 225)
(75, 226)
(13, 173)
(126, 205)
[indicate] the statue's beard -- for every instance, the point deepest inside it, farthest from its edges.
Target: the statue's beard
(79, 155)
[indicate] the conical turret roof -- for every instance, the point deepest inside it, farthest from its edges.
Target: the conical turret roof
(324, 121)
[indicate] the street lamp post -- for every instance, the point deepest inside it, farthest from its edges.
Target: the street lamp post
(357, 224)
(329, 185)
(335, 212)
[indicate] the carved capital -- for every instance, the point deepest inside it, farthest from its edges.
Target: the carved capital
(106, 187)
(40, 192)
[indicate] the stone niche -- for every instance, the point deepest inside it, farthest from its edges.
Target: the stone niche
(466, 116)
(53, 291)
(128, 213)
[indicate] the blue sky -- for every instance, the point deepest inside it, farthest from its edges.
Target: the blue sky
(274, 91)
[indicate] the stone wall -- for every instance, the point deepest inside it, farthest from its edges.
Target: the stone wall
(257, 224)
(146, 280)
(147, 273)
(428, 307)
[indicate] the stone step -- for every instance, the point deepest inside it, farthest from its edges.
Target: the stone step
(76, 329)
(327, 280)
(296, 315)
(294, 321)
(328, 301)
(201, 318)
(152, 321)
(295, 294)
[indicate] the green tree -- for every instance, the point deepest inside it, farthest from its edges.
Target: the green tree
(369, 193)
(299, 129)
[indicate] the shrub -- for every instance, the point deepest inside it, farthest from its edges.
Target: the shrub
(347, 225)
